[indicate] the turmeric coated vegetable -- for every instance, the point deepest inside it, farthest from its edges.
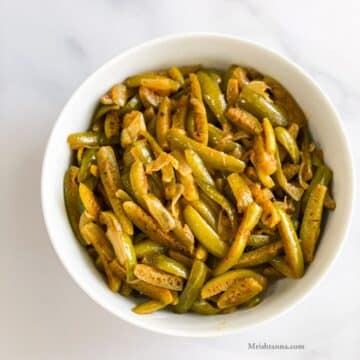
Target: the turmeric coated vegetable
(240, 292)
(157, 277)
(201, 131)
(241, 191)
(251, 218)
(139, 182)
(258, 240)
(160, 85)
(232, 91)
(213, 158)
(289, 143)
(150, 227)
(261, 255)
(183, 234)
(72, 200)
(110, 178)
(133, 125)
(133, 104)
(190, 191)
(235, 72)
(153, 292)
(121, 242)
(244, 120)
(193, 286)
(148, 247)
(176, 74)
(169, 265)
(294, 191)
(204, 308)
(197, 188)
(212, 95)
(261, 107)
(135, 81)
(149, 307)
(198, 167)
(90, 140)
(221, 141)
(159, 212)
(322, 176)
(179, 117)
(87, 160)
(94, 235)
(286, 101)
(291, 243)
(204, 233)
(310, 226)
(205, 211)
(280, 264)
(112, 125)
(220, 199)
(163, 122)
(221, 283)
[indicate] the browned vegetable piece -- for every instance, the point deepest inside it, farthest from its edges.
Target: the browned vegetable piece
(261, 255)
(161, 85)
(240, 292)
(110, 178)
(249, 221)
(153, 292)
(179, 117)
(158, 277)
(95, 235)
(150, 227)
(232, 91)
(241, 191)
(244, 120)
(89, 200)
(221, 283)
(201, 132)
(163, 122)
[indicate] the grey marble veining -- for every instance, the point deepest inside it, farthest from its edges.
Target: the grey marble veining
(46, 50)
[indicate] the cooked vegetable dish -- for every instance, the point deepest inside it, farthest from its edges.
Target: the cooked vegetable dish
(197, 188)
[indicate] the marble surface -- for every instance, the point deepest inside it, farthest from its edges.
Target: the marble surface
(46, 50)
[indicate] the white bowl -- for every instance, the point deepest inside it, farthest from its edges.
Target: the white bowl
(217, 51)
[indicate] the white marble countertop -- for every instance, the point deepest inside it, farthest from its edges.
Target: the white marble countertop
(46, 50)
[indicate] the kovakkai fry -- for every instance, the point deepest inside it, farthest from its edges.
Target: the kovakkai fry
(197, 188)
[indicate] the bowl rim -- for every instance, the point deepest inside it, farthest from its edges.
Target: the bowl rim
(190, 36)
